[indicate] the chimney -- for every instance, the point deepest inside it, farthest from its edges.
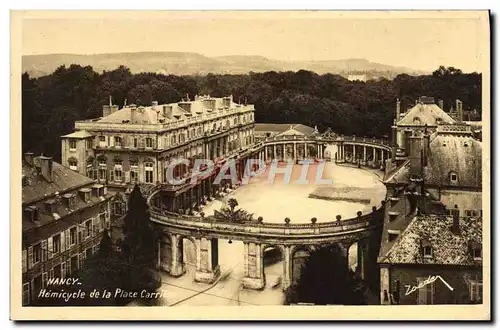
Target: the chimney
(133, 110)
(441, 104)
(398, 110)
(415, 155)
(425, 147)
(460, 112)
(46, 167)
(186, 106)
(106, 110)
(394, 146)
(167, 111)
(28, 157)
(455, 226)
(114, 108)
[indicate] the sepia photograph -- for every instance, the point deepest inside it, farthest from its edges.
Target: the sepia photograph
(287, 164)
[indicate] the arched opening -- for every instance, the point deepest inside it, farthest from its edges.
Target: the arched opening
(299, 259)
(272, 265)
(165, 253)
(352, 257)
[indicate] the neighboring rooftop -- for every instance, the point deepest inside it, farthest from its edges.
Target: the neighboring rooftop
(78, 135)
(434, 231)
(36, 186)
(425, 112)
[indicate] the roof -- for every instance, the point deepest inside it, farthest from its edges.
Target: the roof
(154, 114)
(422, 114)
(284, 129)
(78, 135)
(457, 153)
(448, 248)
(38, 188)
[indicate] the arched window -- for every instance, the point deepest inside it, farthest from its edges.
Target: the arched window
(417, 121)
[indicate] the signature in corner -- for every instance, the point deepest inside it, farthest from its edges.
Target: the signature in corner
(410, 289)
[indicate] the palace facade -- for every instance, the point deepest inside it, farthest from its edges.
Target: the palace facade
(64, 216)
(136, 145)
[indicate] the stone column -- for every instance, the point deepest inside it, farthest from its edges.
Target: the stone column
(354, 158)
(374, 157)
(343, 153)
(254, 270)
(306, 151)
(207, 254)
(283, 151)
(274, 155)
(295, 150)
(364, 155)
(177, 266)
(286, 280)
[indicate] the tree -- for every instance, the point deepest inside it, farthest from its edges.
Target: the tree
(326, 279)
(139, 241)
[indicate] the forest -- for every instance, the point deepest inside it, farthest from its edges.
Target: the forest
(51, 104)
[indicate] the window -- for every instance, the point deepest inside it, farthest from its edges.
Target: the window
(427, 251)
(134, 176)
(118, 208)
(102, 174)
(88, 228)
(476, 291)
(426, 292)
(72, 145)
(72, 234)
(88, 144)
(56, 243)
(149, 143)
(102, 220)
(118, 141)
(468, 213)
(73, 164)
(74, 263)
(102, 141)
(392, 237)
(136, 143)
(453, 177)
(118, 174)
(174, 140)
(148, 172)
(37, 253)
(476, 253)
(26, 294)
(134, 163)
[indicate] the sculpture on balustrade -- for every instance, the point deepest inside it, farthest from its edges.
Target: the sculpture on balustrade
(229, 213)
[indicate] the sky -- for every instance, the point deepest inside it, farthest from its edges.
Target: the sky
(414, 42)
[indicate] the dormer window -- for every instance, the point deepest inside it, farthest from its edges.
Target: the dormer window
(453, 177)
(69, 199)
(417, 121)
(426, 249)
(85, 194)
(73, 164)
(31, 213)
(50, 206)
(476, 250)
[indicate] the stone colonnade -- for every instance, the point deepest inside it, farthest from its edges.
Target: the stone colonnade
(170, 258)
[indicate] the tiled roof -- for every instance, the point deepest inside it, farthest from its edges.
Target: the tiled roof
(38, 188)
(447, 248)
(78, 135)
(154, 114)
(460, 154)
(422, 114)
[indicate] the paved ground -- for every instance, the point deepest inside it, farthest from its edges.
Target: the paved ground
(274, 201)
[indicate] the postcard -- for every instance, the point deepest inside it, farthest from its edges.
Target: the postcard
(282, 165)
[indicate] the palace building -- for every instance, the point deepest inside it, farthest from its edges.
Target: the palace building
(64, 216)
(136, 144)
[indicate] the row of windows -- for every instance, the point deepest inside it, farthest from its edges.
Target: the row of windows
(65, 240)
(63, 270)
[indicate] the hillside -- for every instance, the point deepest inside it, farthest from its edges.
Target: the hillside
(180, 63)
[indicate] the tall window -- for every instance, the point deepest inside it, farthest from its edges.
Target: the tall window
(102, 174)
(453, 177)
(37, 253)
(118, 141)
(426, 292)
(149, 143)
(72, 235)
(476, 290)
(72, 145)
(148, 166)
(56, 243)
(88, 144)
(136, 143)
(88, 228)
